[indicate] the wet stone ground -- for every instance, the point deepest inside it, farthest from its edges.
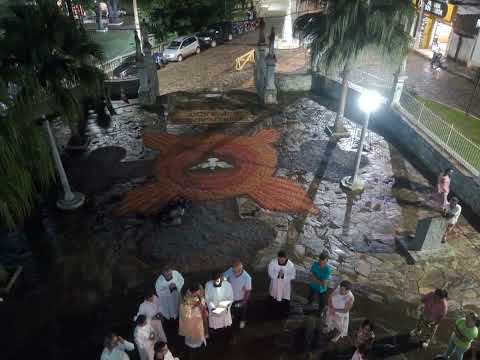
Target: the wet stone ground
(359, 232)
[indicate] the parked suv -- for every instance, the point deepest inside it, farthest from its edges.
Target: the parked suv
(181, 47)
(212, 37)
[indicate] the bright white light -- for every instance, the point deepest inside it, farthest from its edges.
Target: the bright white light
(265, 6)
(370, 101)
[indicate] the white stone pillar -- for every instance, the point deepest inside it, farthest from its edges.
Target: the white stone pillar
(71, 200)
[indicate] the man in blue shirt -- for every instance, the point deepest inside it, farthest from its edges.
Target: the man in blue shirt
(321, 273)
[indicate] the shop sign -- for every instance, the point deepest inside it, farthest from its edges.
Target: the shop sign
(436, 7)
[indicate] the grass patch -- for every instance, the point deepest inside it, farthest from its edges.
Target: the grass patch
(469, 125)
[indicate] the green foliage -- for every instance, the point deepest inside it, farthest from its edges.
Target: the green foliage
(183, 16)
(350, 26)
(47, 65)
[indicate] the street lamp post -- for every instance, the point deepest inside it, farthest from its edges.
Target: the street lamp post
(71, 200)
(369, 102)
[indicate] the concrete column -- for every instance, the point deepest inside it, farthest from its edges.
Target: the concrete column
(398, 84)
(148, 75)
(71, 200)
(270, 94)
(260, 69)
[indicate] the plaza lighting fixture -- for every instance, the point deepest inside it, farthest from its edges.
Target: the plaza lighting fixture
(368, 102)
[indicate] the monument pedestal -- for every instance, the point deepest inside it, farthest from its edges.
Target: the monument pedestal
(427, 243)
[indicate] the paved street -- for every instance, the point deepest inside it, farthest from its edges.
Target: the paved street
(443, 86)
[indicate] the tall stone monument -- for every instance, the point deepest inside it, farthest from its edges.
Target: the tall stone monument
(260, 65)
(270, 93)
(148, 76)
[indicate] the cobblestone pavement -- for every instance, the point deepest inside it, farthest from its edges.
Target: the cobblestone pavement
(358, 232)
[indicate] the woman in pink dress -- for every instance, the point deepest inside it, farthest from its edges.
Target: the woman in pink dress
(443, 187)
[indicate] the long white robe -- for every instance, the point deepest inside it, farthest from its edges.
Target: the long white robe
(144, 342)
(169, 356)
(213, 296)
(118, 352)
(169, 300)
(337, 320)
(150, 309)
(281, 288)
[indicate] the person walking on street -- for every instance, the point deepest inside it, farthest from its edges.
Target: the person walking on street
(435, 307)
(281, 272)
(464, 333)
(453, 212)
(241, 282)
(321, 273)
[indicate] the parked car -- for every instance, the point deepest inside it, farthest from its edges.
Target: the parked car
(129, 69)
(212, 37)
(182, 47)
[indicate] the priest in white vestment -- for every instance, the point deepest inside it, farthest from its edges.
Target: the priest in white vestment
(281, 272)
(144, 337)
(219, 298)
(151, 309)
(169, 286)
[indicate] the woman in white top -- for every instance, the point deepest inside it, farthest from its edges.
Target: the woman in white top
(115, 348)
(151, 309)
(338, 311)
(144, 336)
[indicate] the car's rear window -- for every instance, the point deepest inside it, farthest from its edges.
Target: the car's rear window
(173, 45)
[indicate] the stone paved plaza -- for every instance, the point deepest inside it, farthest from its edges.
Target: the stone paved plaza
(359, 232)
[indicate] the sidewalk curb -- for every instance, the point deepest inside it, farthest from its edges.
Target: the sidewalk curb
(457, 73)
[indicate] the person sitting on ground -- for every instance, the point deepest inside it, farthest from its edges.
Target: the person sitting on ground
(361, 353)
(162, 352)
(453, 212)
(365, 334)
(465, 332)
(435, 307)
(321, 273)
(337, 316)
(115, 347)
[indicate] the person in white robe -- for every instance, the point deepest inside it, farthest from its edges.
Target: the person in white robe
(162, 352)
(115, 348)
(150, 307)
(337, 315)
(169, 286)
(144, 337)
(281, 272)
(219, 298)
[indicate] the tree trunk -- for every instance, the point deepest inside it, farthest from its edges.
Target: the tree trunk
(113, 11)
(339, 127)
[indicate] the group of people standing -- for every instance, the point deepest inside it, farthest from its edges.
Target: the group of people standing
(335, 308)
(451, 209)
(200, 313)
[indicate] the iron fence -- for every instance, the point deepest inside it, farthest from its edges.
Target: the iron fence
(444, 134)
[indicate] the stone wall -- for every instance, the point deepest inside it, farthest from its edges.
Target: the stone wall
(417, 147)
(293, 82)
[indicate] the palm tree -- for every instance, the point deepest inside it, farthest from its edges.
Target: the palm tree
(41, 41)
(348, 27)
(47, 65)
